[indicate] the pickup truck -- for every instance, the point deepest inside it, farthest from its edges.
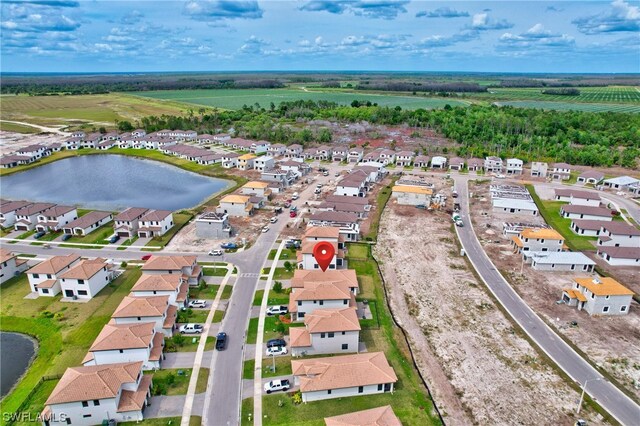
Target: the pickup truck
(277, 310)
(191, 329)
(277, 385)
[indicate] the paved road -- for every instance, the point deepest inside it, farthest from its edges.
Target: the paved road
(611, 398)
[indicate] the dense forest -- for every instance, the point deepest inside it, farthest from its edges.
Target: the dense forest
(417, 86)
(576, 137)
(565, 91)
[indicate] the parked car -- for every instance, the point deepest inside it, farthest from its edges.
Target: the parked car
(317, 191)
(337, 174)
(295, 196)
(272, 343)
(277, 310)
(198, 304)
(293, 214)
(325, 173)
(319, 186)
(191, 329)
(114, 239)
(221, 341)
(287, 204)
(216, 252)
(293, 208)
(273, 219)
(277, 210)
(228, 245)
(500, 176)
(276, 350)
(146, 257)
(277, 385)
(39, 235)
(65, 237)
(265, 229)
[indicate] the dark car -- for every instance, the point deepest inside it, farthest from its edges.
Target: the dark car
(39, 235)
(276, 343)
(114, 239)
(65, 237)
(221, 341)
(146, 257)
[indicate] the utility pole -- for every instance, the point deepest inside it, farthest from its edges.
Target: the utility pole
(584, 389)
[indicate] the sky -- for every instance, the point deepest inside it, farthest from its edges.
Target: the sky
(325, 35)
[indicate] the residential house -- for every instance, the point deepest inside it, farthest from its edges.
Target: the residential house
(54, 218)
(205, 138)
(456, 163)
(404, 158)
(514, 166)
(493, 165)
(319, 295)
(306, 258)
(235, 205)
(264, 163)
(277, 150)
(118, 343)
(439, 162)
(186, 266)
(379, 416)
(343, 376)
(560, 171)
(374, 171)
(345, 277)
(229, 160)
(126, 223)
(578, 197)
(421, 161)
(620, 182)
(360, 209)
(139, 132)
(475, 165)
(10, 265)
(592, 177)
(340, 153)
(259, 147)
(55, 147)
(43, 278)
(154, 309)
(300, 168)
(98, 394)
(213, 225)
(347, 222)
(618, 234)
(78, 134)
(87, 223)
(155, 223)
(172, 285)
(85, 279)
(108, 144)
(576, 211)
(620, 256)
(246, 161)
(355, 155)
(283, 178)
(8, 212)
(209, 159)
(539, 169)
(73, 143)
(34, 151)
(26, 218)
(221, 137)
(255, 187)
(11, 161)
(538, 240)
(589, 228)
(409, 195)
(559, 261)
(326, 331)
(293, 151)
(353, 185)
(598, 296)
(323, 153)
(511, 205)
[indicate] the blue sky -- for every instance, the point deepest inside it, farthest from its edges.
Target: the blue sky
(247, 35)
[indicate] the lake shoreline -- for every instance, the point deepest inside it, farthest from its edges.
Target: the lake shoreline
(36, 348)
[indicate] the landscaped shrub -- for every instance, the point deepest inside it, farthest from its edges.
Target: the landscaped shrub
(296, 398)
(277, 287)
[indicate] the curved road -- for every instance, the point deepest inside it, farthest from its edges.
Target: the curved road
(620, 406)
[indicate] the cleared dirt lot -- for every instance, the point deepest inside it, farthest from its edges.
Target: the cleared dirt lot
(10, 141)
(613, 343)
(480, 370)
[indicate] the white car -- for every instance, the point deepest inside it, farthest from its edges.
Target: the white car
(198, 304)
(191, 329)
(216, 252)
(500, 176)
(265, 229)
(277, 385)
(273, 219)
(276, 350)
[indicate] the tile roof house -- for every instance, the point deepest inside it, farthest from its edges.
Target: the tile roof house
(319, 295)
(379, 416)
(11, 161)
(88, 223)
(475, 164)
(127, 343)
(456, 163)
(353, 185)
(293, 151)
(560, 171)
(90, 395)
(598, 296)
(326, 331)
(10, 265)
(620, 256)
(185, 266)
(355, 155)
(343, 376)
(346, 277)
(85, 279)
(43, 278)
(26, 218)
(618, 234)
(404, 158)
(8, 212)
(126, 223)
(307, 260)
(577, 197)
(155, 223)
(155, 309)
(172, 285)
(421, 161)
(575, 211)
(592, 177)
(56, 217)
(589, 228)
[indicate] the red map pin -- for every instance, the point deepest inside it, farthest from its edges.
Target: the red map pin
(323, 252)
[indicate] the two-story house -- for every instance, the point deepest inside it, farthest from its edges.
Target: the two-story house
(355, 155)
(343, 376)
(136, 342)
(305, 256)
(213, 225)
(598, 296)
(96, 394)
(404, 158)
(43, 278)
(340, 153)
(276, 149)
(235, 205)
(155, 309)
(264, 163)
(326, 331)
(539, 169)
(293, 151)
(346, 278)
(538, 240)
(475, 165)
(88, 223)
(560, 171)
(412, 195)
(319, 295)
(10, 265)
(421, 161)
(155, 223)
(8, 212)
(126, 223)
(26, 218)
(229, 160)
(54, 218)
(353, 185)
(514, 166)
(172, 285)
(246, 161)
(493, 164)
(261, 189)
(85, 279)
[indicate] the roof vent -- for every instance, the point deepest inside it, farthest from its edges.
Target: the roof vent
(596, 280)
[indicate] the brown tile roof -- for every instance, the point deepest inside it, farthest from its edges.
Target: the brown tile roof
(330, 216)
(56, 211)
(93, 382)
(157, 348)
(84, 270)
(47, 284)
(6, 255)
(576, 193)
(124, 336)
(172, 314)
(322, 291)
(379, 416)
(347, 199)
(332, 320)
(620, 228)
(183, 293)
(134, 400)
(13, 206)
(322, 232)
(168, 263)
(343, 371)
(308, 246)
(157, 282)
(152, 306)
(156, 215)
(301, 276)
(299, 337)
(130, 214)
(54, 264)
(590, 210)
(88, 219)
(592, 174)
(35, 208)
(593, 225)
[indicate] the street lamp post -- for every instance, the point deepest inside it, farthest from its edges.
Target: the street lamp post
(584, 389)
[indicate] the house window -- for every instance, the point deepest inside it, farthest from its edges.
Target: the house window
(593, 296)
(343, 333)
(623, 308)
(345, 346)
(68, 420)
(85, 403)
(36, 276)
(322, 302)
(360, 389)
(329, 392)
(605, 309)
(607, 297)
(48, 276)
(345, 301)
(86, 415)
(139, 318)
(45, 291)
(96, 402)
(322, 335)
(299, 302)
(82, 292)
(121, 351)
(330, 335)
(80, 281)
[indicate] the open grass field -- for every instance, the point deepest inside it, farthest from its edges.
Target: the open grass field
(236, 98)
(610, 94)
(17, 128)
(98, 110)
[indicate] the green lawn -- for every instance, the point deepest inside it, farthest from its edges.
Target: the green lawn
(283, 366)
(98, 236)
(282, 274)
(175, 381)
(248, 369)
(192, 315)
(214, 272)
(218, 316)
(357, 251)
(165, 421)
(247, 412)
(191, 344)
(180, 220)
(64, 330)
(381, 202)
(550, 211)
(18, 128)
(277, 298)
(226, 292)
(286, 254)
(208, 293)
(257, 297)
(252, 331)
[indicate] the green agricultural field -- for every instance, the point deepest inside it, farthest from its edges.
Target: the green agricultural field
(236, 98)
(609, 94)
(575, 106)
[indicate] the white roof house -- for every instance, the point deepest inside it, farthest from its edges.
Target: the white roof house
(561, 261)
(511, 205)
(620, 181)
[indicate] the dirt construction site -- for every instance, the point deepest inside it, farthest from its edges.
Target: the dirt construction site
(477, 364)
(611, 342)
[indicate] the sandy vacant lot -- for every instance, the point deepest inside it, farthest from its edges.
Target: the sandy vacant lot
(10, 141)
(611, 342)
(480, 370)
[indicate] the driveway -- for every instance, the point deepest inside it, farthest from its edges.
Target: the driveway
(171, 406)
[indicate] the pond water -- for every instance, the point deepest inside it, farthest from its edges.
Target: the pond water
(16, 352)
(111, 182)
